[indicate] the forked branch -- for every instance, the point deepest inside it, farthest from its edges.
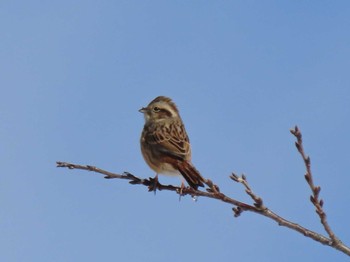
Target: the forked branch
(238, 207)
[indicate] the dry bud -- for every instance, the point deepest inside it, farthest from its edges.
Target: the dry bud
(321, 202)
(308, 160)
(234, 177)
(317, 190)
(312, 199)
(307, 177)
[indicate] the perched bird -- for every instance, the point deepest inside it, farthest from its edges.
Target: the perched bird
(164, 142)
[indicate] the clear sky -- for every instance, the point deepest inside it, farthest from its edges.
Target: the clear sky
(75, 73)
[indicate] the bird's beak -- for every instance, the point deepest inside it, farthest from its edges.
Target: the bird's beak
(143, 110)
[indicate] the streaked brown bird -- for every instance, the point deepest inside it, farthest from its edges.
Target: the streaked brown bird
(164, 142)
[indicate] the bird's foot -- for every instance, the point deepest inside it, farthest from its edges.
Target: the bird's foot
(154, 184)
(180, 191)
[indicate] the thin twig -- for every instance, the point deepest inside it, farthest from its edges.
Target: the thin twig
(258, 202)
(314, 198)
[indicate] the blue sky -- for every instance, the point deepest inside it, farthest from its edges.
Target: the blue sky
(75, 73)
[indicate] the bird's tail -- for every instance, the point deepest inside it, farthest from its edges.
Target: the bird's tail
(191, 174)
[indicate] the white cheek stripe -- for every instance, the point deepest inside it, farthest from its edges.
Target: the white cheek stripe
(171, 110)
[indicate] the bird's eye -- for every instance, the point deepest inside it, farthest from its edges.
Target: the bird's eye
(156, 109)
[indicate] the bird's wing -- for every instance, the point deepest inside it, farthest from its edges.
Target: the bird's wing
(172, 140)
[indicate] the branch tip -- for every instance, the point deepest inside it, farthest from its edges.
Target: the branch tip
(296, 132)
(234, 177)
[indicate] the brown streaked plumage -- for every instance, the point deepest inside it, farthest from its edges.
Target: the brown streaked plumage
(164, 142)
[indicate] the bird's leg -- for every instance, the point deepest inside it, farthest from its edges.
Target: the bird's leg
(181, 189)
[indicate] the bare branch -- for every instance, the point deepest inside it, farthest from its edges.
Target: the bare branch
(213, 191)
(258, 202)
(314, 198)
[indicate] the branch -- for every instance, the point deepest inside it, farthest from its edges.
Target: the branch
(314, 198)
(213, 191)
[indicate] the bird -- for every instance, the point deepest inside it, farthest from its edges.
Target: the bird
(165, 145)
